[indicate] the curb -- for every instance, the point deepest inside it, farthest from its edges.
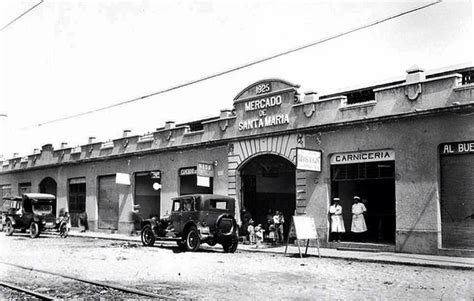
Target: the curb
(347, 258)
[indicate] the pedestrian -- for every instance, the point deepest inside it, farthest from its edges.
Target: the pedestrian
(251, 231)
(337, 223)
(83, 223)
(135, 219)
(278, 221)
(258, 235)
(358, 221)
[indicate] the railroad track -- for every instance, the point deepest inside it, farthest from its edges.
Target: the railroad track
(86, 288)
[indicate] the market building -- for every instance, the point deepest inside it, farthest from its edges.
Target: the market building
(405, 147)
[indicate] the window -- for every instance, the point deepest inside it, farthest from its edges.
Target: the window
(24, 188)
(176, 205)
(5, 190)
(360, 96)
(218, 204)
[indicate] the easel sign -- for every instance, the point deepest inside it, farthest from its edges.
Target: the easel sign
(303, 228)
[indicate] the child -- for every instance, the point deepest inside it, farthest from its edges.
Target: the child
(258, 235)
(251, 231)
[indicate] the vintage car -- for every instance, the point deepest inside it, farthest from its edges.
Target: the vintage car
(32, 211)
(5, 204)
(195, 219)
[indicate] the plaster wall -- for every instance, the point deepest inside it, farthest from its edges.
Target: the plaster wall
(168, 163)
(415, 142)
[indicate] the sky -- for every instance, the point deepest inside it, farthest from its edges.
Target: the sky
(67, 57)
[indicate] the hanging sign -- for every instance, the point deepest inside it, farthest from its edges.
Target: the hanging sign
(205, 169)
(203, 181)
(122, 178)
(308, 159)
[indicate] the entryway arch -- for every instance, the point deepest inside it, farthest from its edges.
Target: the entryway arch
(49, 185)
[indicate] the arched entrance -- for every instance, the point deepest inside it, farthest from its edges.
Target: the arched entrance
(48, 185)
(268, 183)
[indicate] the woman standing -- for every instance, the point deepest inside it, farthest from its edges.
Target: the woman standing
(358, 220)
(337, 223)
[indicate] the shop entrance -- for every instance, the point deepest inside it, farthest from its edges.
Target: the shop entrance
(268, 185)
(148, 193)
(374, 183)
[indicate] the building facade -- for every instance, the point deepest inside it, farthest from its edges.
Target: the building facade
(406, 148)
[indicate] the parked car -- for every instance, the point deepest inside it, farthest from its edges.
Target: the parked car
(5, 204)
(196, 219)
(33, 211)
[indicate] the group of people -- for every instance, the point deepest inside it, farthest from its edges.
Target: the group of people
(273, 231)
(358, 226)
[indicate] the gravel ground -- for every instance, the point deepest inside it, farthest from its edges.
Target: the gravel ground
(212, 274)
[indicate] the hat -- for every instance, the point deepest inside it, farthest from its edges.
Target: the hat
(336, 199)
(356, 198)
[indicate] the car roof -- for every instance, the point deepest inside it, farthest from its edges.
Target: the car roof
(39, 196)
(204, 196)
(11, 197)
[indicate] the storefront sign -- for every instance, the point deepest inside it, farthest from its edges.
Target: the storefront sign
(187, 171)
(307, 159)
(457, 148)
(263, 119)
(205, 169)
(359, 157)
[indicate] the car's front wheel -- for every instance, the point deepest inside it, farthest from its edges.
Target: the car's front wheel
(148, 238)
(9, 228)
(34, 230)
(192, 241)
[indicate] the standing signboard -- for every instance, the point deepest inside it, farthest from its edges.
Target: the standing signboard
(303, 228)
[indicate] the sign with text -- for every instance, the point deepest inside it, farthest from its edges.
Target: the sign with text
(456, 148)
(365, 156)
(308, 159)
(205, 169)
(187, 171)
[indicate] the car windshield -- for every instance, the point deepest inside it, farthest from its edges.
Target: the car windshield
(42, 206)
(15, 204)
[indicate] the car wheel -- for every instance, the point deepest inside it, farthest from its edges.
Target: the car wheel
(192, 241)
(148, 238)
(9, 228)
(230, 245)
(34, 230)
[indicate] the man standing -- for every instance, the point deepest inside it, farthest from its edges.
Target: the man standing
(278, 221)
(358, 221)
(337, 223)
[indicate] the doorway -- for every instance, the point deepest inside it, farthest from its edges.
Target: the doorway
(374, 183)
(268, 184)
(48, 185)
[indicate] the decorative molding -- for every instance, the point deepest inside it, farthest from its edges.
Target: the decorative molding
(309, 109)
(413, 91)
(223, 124)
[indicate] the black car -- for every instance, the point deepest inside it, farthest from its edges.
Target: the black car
(196, 219)
(31, 211)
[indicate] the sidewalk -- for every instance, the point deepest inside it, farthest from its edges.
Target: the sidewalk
(447, 262)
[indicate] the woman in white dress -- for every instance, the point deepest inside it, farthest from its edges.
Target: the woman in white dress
(358, 220)
(337, 223)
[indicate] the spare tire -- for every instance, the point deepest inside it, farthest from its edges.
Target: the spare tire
(226, 225)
